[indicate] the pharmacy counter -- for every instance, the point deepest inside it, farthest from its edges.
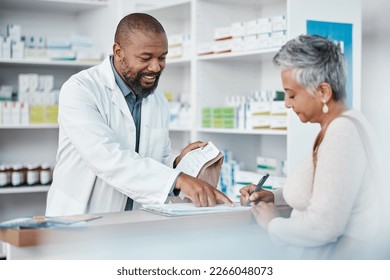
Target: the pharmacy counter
(142, 235)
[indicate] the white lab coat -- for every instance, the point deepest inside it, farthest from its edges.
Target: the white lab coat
(97, 166)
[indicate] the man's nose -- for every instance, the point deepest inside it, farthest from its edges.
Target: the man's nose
(155, 66)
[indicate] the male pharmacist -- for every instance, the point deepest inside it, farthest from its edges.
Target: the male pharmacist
(114, 145)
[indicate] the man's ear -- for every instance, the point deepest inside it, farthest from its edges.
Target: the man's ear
(325, 92)
(117, 51)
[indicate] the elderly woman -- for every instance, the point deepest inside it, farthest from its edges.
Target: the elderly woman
(332, 192)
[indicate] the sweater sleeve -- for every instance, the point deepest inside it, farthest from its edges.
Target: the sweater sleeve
(339, 174)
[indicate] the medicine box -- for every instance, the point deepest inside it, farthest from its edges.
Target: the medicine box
(268, 165)
(37, 114)
(51, 114)
(264, 25)
(6, 112)
(207, 117)
(251, 43)
(14, 32)
(238, 44)
(15, 113)
(251, 27)
(223, 33)
(259, 108)
(223, 46)
(17, 49)
(277, 107)
(258, 122)
(264, 40)
(279, 23)
(175, 40)
(238, 29)
(1, 46)
(6, 53)
(278, 38)
(175, 52)
(224, 117)
(278, 122)
(205, 48)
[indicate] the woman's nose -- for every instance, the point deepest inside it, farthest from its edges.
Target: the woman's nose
(287, 102)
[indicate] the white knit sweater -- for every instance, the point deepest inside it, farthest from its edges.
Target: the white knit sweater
(339, 199)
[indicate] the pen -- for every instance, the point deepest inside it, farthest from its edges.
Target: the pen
(258, 187)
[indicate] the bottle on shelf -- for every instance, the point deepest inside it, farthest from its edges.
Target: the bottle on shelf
(3, 176)
(45, 174)
(32, 177)
(17, 175)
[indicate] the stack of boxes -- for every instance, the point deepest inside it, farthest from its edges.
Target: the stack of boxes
(16, 46)
(257, 111)
(12, 46)
(261, 33)
(267, 113)
(179, 46)
(37, 91)
(180, 115)
(36, 102)
(219, 117)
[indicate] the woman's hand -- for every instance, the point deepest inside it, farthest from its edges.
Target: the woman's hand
(255, 197)
(264, 213)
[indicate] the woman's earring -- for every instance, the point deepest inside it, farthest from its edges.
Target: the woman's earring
(325, 108)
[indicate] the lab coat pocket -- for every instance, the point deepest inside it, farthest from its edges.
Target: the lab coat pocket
(157, 142)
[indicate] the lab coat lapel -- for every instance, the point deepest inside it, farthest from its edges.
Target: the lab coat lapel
(117, 98)
(145, 126)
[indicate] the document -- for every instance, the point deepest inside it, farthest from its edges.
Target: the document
(184, 209)
(194, 160)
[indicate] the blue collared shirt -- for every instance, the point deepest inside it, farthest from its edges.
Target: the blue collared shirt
(133, 101)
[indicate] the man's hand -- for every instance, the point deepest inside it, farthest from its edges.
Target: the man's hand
(201, 193)
(255, 197)
(190, 147)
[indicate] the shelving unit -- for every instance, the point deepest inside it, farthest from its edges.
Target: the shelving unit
(38, 142)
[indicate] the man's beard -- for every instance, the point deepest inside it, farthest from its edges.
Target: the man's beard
(137, 87)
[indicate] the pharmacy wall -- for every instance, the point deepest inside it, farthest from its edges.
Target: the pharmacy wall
(375, 72)
(210, 70)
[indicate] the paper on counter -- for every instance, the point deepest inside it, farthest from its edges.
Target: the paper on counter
(184, 209)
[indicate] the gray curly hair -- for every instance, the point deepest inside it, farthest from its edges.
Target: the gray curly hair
(314, 59)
